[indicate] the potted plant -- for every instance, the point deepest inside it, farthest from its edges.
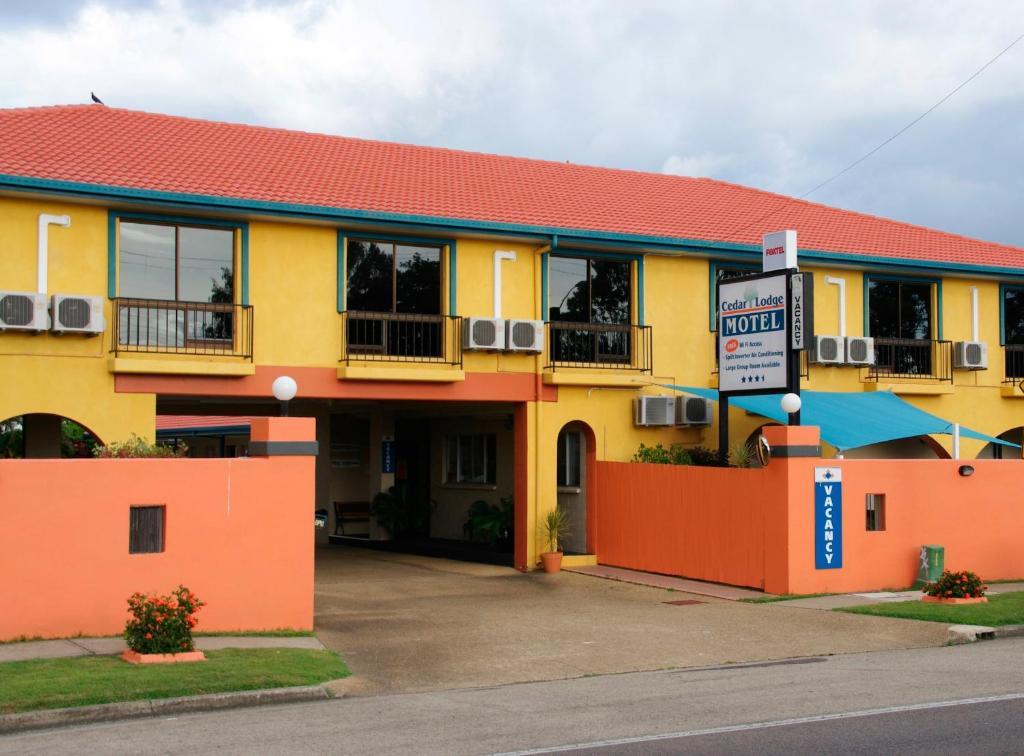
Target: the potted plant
(556, 528)
(962, 587)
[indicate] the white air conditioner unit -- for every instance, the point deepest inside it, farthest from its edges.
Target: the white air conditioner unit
(24, 311)
(654, 410)
(827, 350)
(970, 355)
(75, 314)
(524, 336)
(860, 350)
(483, 333)
(693, 410)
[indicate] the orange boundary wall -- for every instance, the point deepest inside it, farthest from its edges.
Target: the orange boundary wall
(239, 533)
(756, 527)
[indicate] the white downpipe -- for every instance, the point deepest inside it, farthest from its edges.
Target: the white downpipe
(499, 255)
(45, 221)
(841, 283)
(974, 313)
(956, 440)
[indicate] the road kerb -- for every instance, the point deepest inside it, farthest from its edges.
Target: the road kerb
(43, 718)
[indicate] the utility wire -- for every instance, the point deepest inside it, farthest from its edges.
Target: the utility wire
(868, 154)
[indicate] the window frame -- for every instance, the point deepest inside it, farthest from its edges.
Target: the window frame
(1003, 288)
(447, 275)
(874, 516)
(636, 283)
(490, 459)
(566, 482)
(137, 540)
(239, 248)
(936, 300)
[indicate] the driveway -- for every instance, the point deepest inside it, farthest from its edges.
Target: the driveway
(406, 623)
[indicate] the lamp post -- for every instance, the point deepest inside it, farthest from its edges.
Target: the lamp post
(284, 388)
(791, 406)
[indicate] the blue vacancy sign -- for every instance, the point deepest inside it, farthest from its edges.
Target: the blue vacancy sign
(387, 455)
(828, 518)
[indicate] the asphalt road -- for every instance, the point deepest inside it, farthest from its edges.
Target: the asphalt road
(807, 703)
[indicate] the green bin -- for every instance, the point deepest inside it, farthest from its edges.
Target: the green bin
(931, 562)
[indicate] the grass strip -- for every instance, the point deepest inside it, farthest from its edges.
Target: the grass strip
(1001, 609)
(87, 680)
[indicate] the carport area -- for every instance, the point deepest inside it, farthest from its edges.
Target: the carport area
(407, 623)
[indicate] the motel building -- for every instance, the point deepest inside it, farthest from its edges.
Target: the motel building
(462, 327)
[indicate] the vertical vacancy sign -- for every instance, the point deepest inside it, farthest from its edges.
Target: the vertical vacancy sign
(828, 518)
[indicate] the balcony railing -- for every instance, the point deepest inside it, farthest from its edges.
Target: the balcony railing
(169, 327)
(598, 345)
(912, 359)
(1014, 371)
(401, 337)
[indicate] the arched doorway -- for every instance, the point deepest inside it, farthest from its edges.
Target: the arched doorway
(39, 435)
(574, 478)
(997, 451)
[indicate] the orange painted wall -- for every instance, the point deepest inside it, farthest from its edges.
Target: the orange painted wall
(979, 520)
(239, 532)
(701, 522)
(756, 527)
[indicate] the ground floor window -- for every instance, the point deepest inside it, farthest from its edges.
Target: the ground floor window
(569, 459)
(471, 458)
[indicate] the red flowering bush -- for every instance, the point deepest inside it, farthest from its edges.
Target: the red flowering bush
(963, 584)
(162, 624)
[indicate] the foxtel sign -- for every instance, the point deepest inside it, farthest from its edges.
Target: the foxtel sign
(778, 251)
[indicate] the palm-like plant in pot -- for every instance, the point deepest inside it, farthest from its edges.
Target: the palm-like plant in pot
(556, 528)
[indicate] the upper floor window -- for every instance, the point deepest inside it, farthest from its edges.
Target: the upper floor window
(176, 262)
(583, 290)
(393, 277)
(1013, 315)
(724, 272)
(900, 319)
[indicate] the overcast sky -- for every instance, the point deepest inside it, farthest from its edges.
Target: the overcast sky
(776, 95)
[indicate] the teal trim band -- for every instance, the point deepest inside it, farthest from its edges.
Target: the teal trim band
(452, 278)
(713, 267)
(111, 255)
(543, 287)
(244, 254)
(342, 276)
(449, 225)
(242, 227)
(936, 282)
(640, 290)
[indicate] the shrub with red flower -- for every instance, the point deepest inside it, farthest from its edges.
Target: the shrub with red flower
(162, 624)
(963, 584)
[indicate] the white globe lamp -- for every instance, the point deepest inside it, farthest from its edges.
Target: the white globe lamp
(284, 388)
(791, 403)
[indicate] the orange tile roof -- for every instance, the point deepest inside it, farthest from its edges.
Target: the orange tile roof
(195, 422)
(110, 147)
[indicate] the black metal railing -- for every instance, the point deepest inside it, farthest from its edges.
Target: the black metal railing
(1014, 370)
(401, 337)
(912, 359)
(169, 327)
(599, 345)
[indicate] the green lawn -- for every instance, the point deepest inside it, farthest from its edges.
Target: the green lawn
(85, 680)
(1001, 609)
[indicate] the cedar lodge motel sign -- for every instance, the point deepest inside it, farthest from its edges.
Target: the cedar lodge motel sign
(764, 321)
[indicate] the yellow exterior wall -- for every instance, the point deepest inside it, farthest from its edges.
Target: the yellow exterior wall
(293, 289)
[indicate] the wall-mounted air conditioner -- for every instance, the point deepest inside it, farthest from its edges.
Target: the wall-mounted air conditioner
(24, 311)
(483, 333)
(827, 350)
(970, 355)
(693, 410)
(524, 336)
(860, 350)
(654, 411)
(76, 314)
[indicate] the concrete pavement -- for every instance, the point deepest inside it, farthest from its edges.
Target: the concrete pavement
(406, 623)
(556, 713)
(69, 647)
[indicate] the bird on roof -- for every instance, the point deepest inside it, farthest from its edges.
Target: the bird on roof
(96, 99)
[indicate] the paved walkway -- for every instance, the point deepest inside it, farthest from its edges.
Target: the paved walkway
(55, 649)
(698, 587)
(882, 597)
(406, 623)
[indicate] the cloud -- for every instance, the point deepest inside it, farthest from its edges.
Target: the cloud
(777, 95)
